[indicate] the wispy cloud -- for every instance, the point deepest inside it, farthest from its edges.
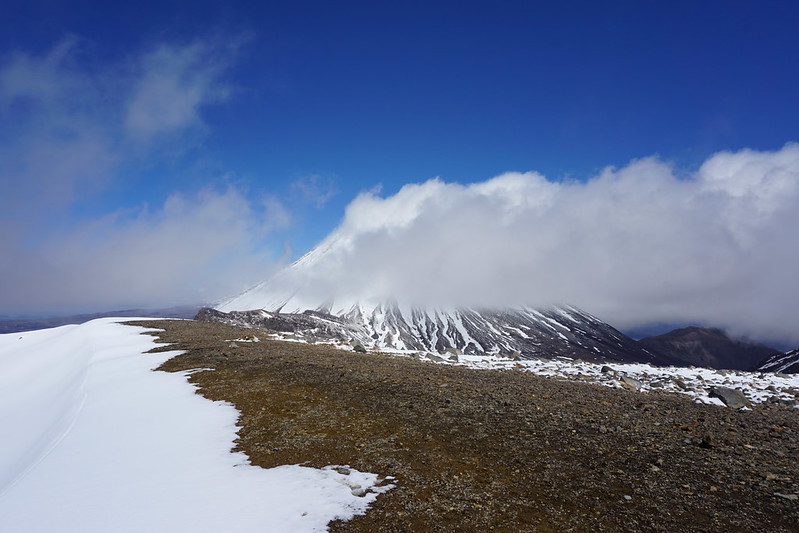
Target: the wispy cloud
(54, 143)
(40, 79)
(71, 128)
(633, 245)
(314, 190)
(173, 84)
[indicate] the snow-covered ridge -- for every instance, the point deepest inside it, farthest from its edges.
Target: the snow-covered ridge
(93, 440)
(785, 362)
(552, 332)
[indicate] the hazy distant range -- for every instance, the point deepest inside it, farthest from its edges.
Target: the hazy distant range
(13, 325)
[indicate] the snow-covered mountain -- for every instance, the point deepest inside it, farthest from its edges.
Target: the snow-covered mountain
(787, 363)
(302, 298)
(548, 333)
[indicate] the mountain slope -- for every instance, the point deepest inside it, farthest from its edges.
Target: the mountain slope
(552, 332)
(706, 347)
(303, 298)
(787, 363)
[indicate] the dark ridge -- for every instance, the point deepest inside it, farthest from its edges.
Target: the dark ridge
(706, 347)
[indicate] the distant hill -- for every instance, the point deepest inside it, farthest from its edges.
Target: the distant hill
(706, 347)
(29, 324)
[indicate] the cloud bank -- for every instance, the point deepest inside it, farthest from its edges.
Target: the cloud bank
(190, 250)
(634, 245)
(74, 132)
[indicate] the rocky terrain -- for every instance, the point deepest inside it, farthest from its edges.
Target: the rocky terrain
(703, 385)
(499, 450)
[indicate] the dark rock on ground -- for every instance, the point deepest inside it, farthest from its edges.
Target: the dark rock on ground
(731, 397)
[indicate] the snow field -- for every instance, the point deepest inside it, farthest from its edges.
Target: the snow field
(94, 441)
(695, 382)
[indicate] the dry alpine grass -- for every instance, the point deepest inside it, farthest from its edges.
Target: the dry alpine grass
(498, 451)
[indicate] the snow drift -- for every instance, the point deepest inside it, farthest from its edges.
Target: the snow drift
(94, 441)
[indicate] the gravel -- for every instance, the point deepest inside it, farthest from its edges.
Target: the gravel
(491, 450)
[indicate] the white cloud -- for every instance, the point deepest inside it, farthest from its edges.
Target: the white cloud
(633, 245)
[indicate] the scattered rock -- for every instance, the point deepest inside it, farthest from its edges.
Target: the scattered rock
(631, 382)
(790, 497)
(774, 399)
(707, 442)
(680, 383)
(731, 397)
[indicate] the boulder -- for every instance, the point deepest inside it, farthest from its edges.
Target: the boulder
(680, 383)
(631, 382)
(731, 397)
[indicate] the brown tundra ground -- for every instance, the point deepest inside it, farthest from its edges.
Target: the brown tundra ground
(481, 450)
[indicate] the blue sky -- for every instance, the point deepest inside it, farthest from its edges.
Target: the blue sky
(289, 110)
